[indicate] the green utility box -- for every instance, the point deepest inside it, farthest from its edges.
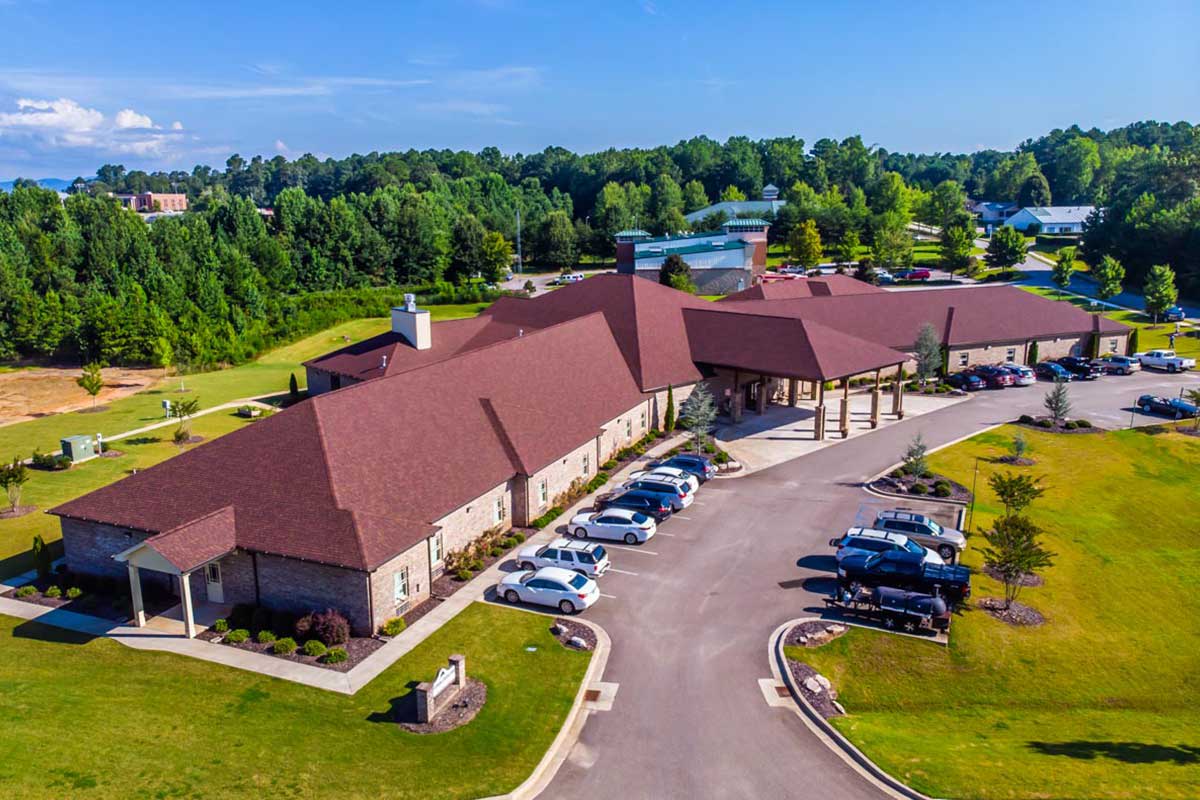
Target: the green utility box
(78, 448)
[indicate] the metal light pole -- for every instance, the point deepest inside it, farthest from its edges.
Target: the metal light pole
(974, 486)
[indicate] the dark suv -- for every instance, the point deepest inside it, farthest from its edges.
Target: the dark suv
(995, 377)
(1081, 368)
(700, 466)
(649, 503)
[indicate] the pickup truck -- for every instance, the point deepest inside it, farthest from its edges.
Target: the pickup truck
(1165, 359)
(903, 570)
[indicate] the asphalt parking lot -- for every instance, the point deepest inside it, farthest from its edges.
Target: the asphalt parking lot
(690, 612)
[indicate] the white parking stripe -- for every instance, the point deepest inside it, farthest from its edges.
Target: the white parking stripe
(679, 517)
(622, 571)
(628, 549)
(609, 596)
(663, 533)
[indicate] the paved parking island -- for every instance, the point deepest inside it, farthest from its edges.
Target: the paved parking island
(689, 613)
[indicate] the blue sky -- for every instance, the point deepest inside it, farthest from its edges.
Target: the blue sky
(170, 85)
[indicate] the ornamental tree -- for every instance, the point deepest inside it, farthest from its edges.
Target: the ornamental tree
(1160, 291)
(698, 414)
(1014, 551)
(1007, 248)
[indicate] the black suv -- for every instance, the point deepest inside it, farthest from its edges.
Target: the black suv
(1081, 368)
(649, 503)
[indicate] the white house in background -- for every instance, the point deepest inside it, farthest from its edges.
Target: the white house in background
(1051, 219)
(991, 212)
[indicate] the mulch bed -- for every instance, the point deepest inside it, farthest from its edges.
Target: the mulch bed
(112, 453)
(106, 607)
(566, 629)
(1016, 461)
(902, 486)
(1055, 428)
(823, 701)
(93, 409)
(459, 712)
(1026, 579)
(446, 584)
(1017, 614)
(20, 511)
(190, 440)
(419, 611)
(358, 648)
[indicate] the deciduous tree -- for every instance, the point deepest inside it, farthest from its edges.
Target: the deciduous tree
(1015, 492)
(1064, 268)
(1160, 291)
(1006, 248)
(805, 243)
(1109, 274)
(1014, 551)
(91, 381)
(676, 273)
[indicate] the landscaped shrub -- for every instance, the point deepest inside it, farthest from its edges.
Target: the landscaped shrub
(26, 591)
(1045, 423)
(237, 636)
(463, 574)
(496, 552)
(336, 656)
(265, 637)
(393, 627)
(611, 464)
(1072, 425)
(508, 543)
(74, 593)
(919, 488)
(1082, 423)
(284, 647)
(260, 620)
(710, 448)
(520, 537)
(476, 564)
(720, 457)
(595, 483)
(942, 489)
(314, 647)
(546, 519)
(241, 616)
(331, 627)
(49, 462)
(1025, 419)
(221, 626)
(53, 591)
(282, 622)
(303, 626)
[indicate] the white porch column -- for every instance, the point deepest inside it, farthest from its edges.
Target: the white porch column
(185, 591)
(135, 590)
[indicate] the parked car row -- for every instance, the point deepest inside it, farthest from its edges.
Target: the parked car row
(563, 573)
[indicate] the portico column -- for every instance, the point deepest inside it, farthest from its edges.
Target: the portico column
(898, 395)
(793, 390)
(135, 590)
(845, 416)
(735, 400)
(760, 403)
(189, 619)
(875, 397)
(819, 420)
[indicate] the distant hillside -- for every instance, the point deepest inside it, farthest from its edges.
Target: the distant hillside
(57, 184)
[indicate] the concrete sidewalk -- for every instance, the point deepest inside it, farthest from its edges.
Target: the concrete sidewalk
(479, 588)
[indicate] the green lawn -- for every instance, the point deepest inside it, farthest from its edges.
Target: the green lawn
(48, 489)
(268, 374)
(95, 719)
(1101, 702)
(1150, 336)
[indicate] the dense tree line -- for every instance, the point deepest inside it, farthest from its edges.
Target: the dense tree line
(87, 279)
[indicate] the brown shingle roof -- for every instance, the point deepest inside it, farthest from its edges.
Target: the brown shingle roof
(354, 477)
(981, 315)
(825, 286)
(782, 346)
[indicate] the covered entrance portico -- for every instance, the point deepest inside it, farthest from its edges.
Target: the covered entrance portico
(752, 358)
(189, 614)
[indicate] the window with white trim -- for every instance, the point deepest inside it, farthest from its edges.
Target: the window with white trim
(964, 359)
(498, 511)
(643, 419)
(587, 463)
(435, 548)
(1011, 355)
(543, 492)
(400, 585)
(629, 428)
(1112, 345)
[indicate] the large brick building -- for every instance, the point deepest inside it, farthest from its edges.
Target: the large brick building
(722, 261)
(148, 202)
(417, 441)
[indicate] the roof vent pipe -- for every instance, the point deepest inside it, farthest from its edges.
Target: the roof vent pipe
(383, 363)
(520, 332)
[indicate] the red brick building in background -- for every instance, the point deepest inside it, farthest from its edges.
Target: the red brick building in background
(145, 202)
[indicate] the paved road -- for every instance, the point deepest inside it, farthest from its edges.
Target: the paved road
(691, 614)
(541, 280)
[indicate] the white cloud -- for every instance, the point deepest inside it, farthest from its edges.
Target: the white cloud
(497, 78)
(176, 125)
(128, 118)
(54, 125)
(281, 147)
(471, 107)
(310, 87)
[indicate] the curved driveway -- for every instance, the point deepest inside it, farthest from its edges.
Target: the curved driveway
(690, 629)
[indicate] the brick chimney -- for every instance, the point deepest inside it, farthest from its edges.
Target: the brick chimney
(413, 323)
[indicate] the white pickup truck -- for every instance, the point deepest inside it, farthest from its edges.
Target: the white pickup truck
(1165, 359)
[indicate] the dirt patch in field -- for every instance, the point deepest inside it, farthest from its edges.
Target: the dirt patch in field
(1017, 614)
(19, 511)
(27, 394)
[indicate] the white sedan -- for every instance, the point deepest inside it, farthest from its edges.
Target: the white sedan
(618, 524)
(671, 472)
(550, 586)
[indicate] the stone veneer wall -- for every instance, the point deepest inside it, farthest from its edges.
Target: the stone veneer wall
(467, 522)
(383, 583)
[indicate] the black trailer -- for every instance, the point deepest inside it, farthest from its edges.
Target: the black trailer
(895, 609)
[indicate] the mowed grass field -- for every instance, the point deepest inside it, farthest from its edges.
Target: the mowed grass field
(267, 375)
(95, 720)
(1101, 702)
